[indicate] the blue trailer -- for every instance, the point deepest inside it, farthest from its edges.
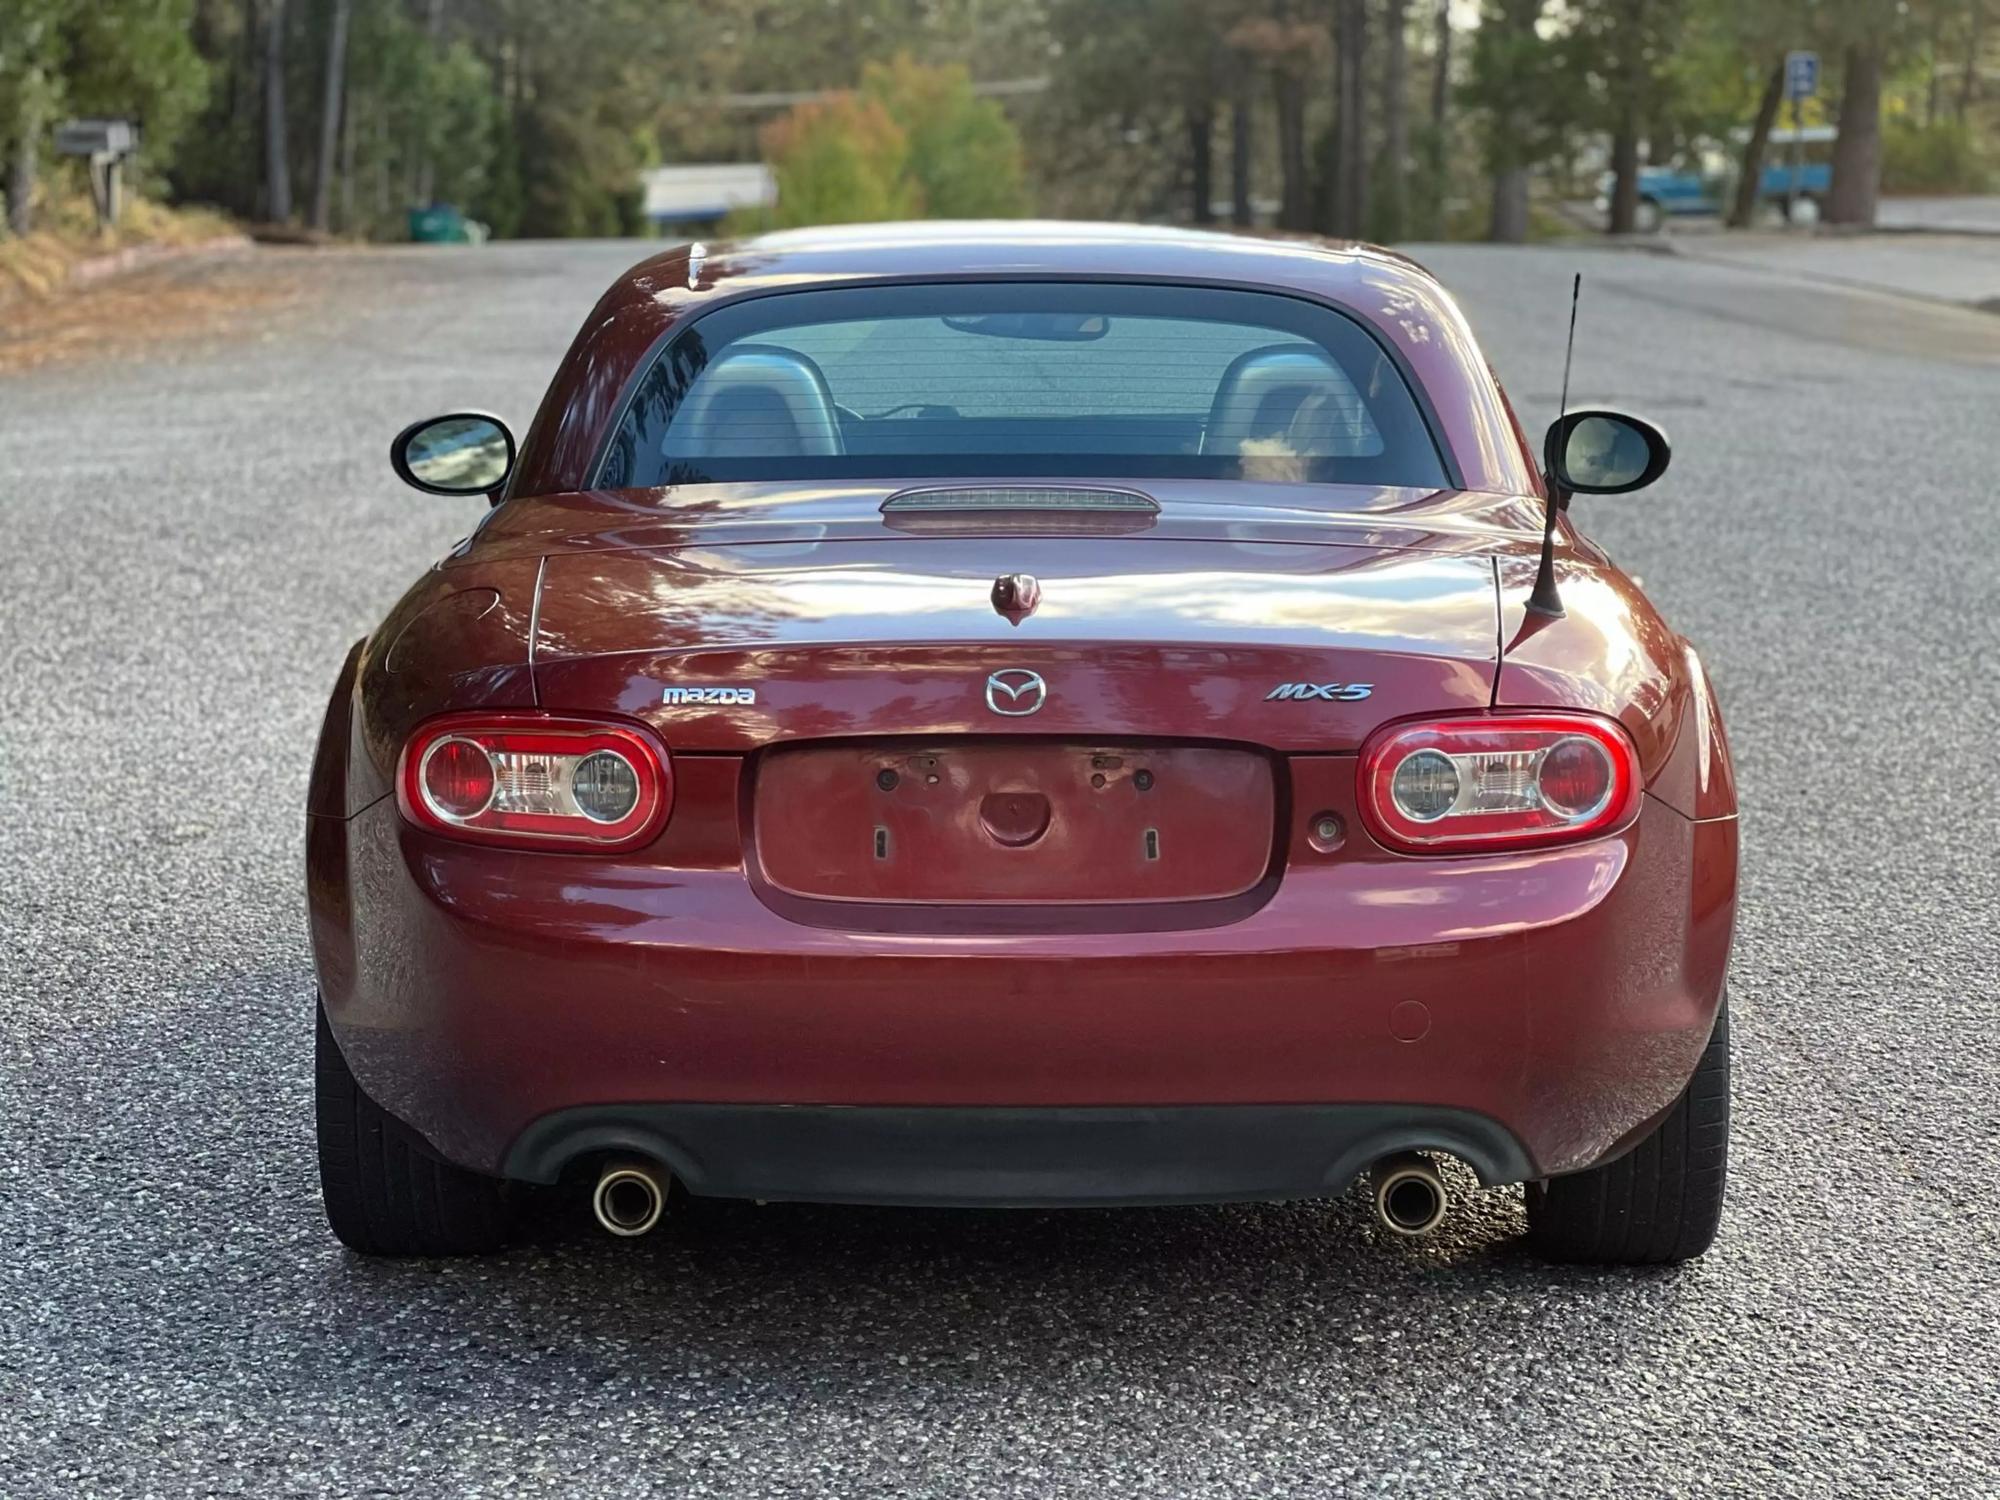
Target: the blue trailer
(1796, 178)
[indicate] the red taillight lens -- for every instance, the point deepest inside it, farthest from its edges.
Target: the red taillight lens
(458, 778)
(536, 781)
(1505, 782)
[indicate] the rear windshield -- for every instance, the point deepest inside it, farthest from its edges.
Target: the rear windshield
(987, 380)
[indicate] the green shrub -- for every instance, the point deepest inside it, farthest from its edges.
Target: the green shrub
(1942, 158)
(965, 155)
(915, 142)
(839, 161)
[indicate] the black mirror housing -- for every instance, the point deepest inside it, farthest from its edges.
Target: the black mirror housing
(1603, 452)
(460, 453)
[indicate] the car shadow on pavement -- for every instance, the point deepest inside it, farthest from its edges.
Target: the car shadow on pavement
(784, 1292)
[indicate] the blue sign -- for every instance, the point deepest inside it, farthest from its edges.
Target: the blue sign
(1801, 75)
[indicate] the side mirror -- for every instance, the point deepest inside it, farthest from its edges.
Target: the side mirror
(465, 453)
(1604, 453)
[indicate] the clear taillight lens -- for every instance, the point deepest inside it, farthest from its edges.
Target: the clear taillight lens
(1504, 782)
(535, 780)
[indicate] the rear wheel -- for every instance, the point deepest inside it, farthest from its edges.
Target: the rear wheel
(386, 1191)
(1661, 1201)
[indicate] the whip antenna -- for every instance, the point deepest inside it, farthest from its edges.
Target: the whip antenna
(1545, 600)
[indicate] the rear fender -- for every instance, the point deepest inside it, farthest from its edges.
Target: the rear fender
(1611, 653)
(326, 793)
(1699, 778)
(457, 640)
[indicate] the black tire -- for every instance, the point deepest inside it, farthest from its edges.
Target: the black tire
(386, 1191)
(1660, 1202)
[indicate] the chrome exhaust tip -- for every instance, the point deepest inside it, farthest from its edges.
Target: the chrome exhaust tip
(630, 1198)
(1409, 1195)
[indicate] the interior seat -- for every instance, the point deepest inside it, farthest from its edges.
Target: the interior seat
(756, 401)
(1289, 398)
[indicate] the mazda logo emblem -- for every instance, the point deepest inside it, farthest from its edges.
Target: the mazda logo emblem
(1016, 692)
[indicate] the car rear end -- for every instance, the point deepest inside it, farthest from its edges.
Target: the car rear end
(1071, 838)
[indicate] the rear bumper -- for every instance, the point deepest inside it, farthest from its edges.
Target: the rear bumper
(1532, 1012)
(1013, 1158)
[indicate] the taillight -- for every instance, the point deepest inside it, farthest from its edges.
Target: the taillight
(535, 781)
(1506, 782)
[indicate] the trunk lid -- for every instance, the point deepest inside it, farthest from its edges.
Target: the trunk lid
(915, 745)
(737, 647)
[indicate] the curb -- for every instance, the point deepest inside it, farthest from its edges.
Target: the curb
(96, 268)
(1688, 247)
(137, 257)
(1989, 305)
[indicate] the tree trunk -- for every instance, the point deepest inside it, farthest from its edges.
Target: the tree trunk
(277, 152)
(1297, 200)
(1743, 212)
(348, 131)
(1387, 213)
(1932, 83)
(1239, 161)
(384, 201)
(1350, 144)
(1509, 223)
(1968, 81)
(22, 166)
(332, 93)
(1624, 171)
(1857, 150)
(1201, 163)
(426, 184)
(1441, 69)
(1629, 72)
(1510, 206)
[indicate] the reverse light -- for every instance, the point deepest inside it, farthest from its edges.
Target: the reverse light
(535, 781)
(1502, 782)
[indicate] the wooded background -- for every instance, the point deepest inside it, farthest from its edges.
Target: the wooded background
(1391, 119)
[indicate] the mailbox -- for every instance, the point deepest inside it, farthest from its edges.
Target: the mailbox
(105, 144)
(97, 138)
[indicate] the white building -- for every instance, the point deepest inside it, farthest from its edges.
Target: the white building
(700, 195)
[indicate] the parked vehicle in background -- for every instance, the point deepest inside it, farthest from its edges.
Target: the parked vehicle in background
(1797, 175)
(444, 224)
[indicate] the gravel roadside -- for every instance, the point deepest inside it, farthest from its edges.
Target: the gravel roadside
(195, 535)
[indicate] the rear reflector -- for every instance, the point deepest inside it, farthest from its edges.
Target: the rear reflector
(535, 781)
(1504, 782)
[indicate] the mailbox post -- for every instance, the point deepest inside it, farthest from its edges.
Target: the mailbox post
(107, 144)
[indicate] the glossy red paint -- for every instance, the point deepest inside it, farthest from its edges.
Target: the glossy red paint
(1134, 637)
(1015, 821)
(1569, 990)
(1566, 991)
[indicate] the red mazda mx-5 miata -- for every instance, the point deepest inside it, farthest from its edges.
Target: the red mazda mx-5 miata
(1029, 715)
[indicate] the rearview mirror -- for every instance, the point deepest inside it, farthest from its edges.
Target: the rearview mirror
(465, 453)
(1604, 453)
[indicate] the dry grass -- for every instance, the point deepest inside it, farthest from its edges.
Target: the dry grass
(162, 311)
(40, 264)
(52, 308)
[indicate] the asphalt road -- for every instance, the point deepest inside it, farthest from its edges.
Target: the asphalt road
(193, 535)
